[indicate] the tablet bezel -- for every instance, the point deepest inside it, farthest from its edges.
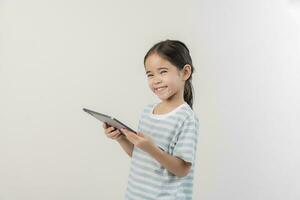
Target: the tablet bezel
(108, 119)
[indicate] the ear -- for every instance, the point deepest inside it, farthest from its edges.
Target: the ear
(186, 72)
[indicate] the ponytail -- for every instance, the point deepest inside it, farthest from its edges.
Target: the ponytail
(188, 92)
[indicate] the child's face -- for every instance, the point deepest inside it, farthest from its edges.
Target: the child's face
(164, 79)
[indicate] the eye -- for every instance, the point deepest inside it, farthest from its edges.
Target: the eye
(149, 75)
(163, 71)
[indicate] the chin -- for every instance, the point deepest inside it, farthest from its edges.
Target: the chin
(165, 98)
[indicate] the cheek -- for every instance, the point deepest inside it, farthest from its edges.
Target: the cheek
(172, 82)
(150, 84)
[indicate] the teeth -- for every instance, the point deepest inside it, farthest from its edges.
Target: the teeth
(161, 88)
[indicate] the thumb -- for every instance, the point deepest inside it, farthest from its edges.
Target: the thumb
(124, 131)
(140, 134)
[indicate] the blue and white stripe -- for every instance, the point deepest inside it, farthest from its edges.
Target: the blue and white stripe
(176, 133)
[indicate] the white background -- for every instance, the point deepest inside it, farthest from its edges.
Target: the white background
(57, 57)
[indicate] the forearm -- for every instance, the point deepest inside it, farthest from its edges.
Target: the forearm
(173, 164)
(126, 145)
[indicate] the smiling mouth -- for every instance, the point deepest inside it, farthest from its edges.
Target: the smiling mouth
(160, 88)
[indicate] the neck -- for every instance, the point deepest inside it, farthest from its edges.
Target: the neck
(174, 101)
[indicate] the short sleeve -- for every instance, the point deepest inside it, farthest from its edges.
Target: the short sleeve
(144, 111)
(186, 144)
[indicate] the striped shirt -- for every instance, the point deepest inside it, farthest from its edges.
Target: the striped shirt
(176, 133)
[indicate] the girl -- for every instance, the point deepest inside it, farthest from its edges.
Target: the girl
(163, 151)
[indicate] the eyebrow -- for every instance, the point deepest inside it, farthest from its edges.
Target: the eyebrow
(160, 68)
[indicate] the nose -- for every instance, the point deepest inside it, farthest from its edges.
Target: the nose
(157, 80)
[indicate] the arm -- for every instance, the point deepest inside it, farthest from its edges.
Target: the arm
(115, 134)
(173, 164)
(126, 145)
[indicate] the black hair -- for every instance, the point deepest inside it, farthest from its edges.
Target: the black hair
(177, 53)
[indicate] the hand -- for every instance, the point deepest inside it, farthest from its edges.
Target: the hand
(112, 132)
(140, 140)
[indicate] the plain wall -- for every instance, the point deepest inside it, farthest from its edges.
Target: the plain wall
(57, 57)
(252, 49)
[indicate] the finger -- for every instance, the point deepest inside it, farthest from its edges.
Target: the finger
(118, 134)
(111, 134)
(132, 137)
(125, 131)
(140, 134)
(110, 129)
(131, 134)
(114, 134)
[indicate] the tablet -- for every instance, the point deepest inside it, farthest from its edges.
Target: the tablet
(108, 119)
